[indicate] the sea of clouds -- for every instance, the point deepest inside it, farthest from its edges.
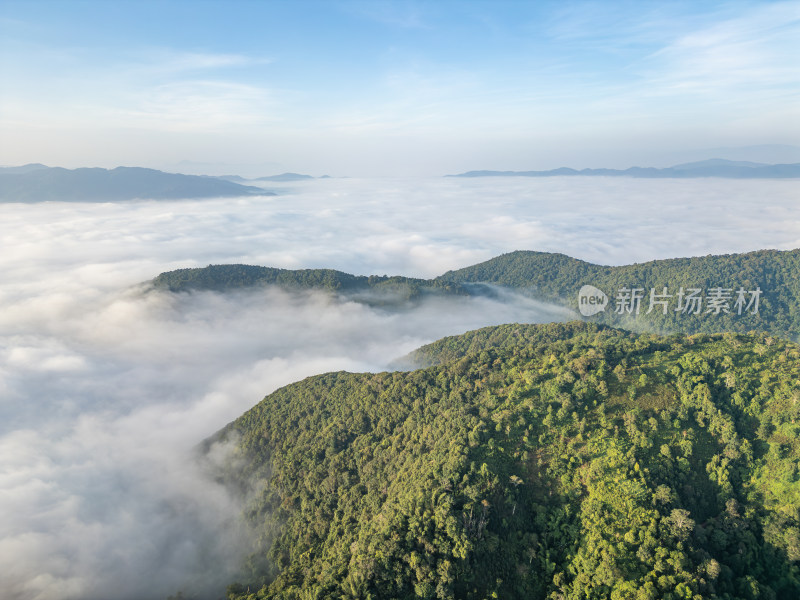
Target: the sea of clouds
(107, 387)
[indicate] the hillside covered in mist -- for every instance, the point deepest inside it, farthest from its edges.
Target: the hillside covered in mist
(766, 283)
(552, 461)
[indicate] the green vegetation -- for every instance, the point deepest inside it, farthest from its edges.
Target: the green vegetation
(545, 462)
(373, 289)
(556, 278)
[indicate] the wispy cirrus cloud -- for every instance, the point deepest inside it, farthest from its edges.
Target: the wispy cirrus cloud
(162, 90)
(197, 105)
(168, 61)
(752, 53)
(484, 85)
(407, 14)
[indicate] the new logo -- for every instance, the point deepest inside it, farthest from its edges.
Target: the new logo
(591, 300)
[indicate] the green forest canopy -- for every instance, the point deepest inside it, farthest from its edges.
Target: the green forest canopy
(224, 278)
(557, 278)
(532, 461)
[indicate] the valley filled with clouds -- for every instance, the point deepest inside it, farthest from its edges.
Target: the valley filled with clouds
(107, 386)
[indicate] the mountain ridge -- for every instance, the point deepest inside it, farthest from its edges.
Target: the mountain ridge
(39, 183)
(716, 167)
(530, 461)
(772, 275)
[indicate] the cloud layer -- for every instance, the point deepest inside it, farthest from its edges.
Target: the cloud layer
(106, 388)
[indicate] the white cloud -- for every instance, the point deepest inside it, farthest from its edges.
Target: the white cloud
(405, 15)
(167, 61)
(734, 59)
(105, 389)
(202, 105)
(156, 89)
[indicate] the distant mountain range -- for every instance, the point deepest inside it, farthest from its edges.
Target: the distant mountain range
(285, 177)
(39, 183)
(715, 167)
(280, 178)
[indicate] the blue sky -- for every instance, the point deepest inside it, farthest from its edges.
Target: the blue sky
(392, 88)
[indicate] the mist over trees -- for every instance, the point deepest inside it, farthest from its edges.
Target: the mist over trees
(553, 461)
(95, 365)
(772, 275)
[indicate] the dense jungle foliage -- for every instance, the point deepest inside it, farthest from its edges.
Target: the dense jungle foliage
(559, 461)
(558, 278)
(374, 287)
(771, 275)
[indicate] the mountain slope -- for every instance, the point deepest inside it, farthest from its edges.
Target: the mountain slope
(573, 461)
(558, 278)
(772, 275)
(36, 183)
(372, 289)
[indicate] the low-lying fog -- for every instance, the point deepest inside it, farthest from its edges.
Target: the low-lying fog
(105, 388)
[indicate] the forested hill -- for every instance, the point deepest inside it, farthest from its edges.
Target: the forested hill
(502, 338)
(545, 274)
(757, 291)
(774, 275)
(537, 462)
(228, 277)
